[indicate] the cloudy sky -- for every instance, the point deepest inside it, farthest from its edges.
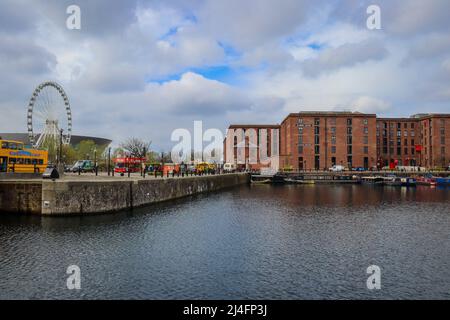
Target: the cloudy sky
(145, 68)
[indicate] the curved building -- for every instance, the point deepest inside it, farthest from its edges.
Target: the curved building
(23, 137)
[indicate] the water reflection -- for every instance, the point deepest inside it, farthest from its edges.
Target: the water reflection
(291, 242)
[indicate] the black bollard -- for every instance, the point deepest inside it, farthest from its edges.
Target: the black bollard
(96, 170)
(79, 171)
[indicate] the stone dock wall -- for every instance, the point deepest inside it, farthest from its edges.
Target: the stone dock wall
(66, 197)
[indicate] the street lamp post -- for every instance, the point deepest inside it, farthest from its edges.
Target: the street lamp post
(144, 158)
(109, 159)
(95, 161)
(60, 146)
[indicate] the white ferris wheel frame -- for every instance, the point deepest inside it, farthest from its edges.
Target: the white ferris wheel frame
(50, 129)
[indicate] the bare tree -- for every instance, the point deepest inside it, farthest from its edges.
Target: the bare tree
(136, 147)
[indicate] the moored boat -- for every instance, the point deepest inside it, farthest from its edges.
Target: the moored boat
(392, 181)
(426, 181)
(372, 180)
(442, 181)
(265, 181)
(408, 182)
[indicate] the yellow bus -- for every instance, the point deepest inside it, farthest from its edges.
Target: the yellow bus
(14, 157)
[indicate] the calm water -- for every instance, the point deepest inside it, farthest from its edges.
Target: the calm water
(286, 242)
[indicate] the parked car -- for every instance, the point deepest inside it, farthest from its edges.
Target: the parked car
(337, 168)
(84, 166)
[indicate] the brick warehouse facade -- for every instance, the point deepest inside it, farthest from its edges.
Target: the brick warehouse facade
(252, 147)
(318, 140)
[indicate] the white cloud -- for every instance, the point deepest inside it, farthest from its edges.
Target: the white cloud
(346, 55)
(370, 105)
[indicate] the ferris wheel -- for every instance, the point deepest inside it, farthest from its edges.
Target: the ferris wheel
(49, 113)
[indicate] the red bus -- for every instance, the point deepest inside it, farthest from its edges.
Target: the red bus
(123, 165)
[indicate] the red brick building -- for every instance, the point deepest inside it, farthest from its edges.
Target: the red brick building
(318, 140)
(397, 139)
(434, 131)
(252, 147)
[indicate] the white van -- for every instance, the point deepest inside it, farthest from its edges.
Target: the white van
(337, 168)
(229, 167)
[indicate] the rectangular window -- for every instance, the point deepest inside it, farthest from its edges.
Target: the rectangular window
(333, 130)
(442, 140)
(316, 130)
(405, 125)
(365, 122)
(405, 133)
(406, 142)
(412, 125)
(349, 130)
(349, 122)
(366, 140)
(349, 150)
(406, 151)
(316, 139)
(316, 149)
(300, 149)
(333, 139)
(366, 130)
(412, 142)
(413, 150)
(399, 151)
(333, 149)
(316, 121)
(349, 139)
(413, 133)
(366, 150)
(442, 150)
(442, 131)
(399, 133)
